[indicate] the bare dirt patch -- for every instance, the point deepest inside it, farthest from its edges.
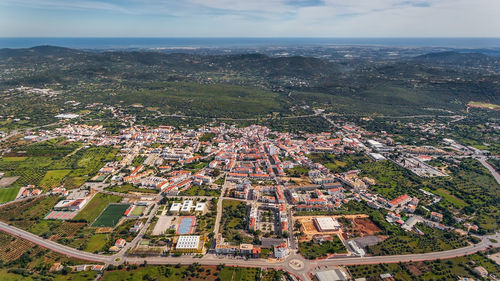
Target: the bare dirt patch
(163, 224)
(365, 227)
(4, 182)
(495, 258)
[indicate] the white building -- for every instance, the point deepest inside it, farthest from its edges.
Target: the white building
(188, 243)
(186, 206)
(281, 251)
(200, 207)
(326, 224)
(331, 275)
(175, 208)
(357, 250)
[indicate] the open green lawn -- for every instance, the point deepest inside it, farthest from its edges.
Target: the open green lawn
(96, 206)
(311, 250)
(53, 178)
(484, 105)
(111, 215)
(77, 276)
(200, 191)
(96, 243)
(459, 203)
(157, 273)
(240, 274)
(8, 194)
(14, 158)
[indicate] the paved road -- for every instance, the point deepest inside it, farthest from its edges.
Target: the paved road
(19, 131)
(138, 237)
(56, 247)
(219, 207)
(284, 264)
(488, 166)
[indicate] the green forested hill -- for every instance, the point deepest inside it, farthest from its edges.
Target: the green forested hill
(255, 85)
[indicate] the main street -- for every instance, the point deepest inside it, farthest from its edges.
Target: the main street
(295, 264)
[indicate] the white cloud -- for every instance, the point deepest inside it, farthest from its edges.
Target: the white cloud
(306, 18)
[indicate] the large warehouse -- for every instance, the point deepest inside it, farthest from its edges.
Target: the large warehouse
(326, 224)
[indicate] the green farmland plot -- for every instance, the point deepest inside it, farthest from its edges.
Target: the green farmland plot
(111, 215)
(8, 194)
(53, 178)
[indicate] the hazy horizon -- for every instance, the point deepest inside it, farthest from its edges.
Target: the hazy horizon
(245, 42)
(242, 18)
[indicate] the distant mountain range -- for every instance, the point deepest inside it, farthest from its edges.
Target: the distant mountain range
(444, 79)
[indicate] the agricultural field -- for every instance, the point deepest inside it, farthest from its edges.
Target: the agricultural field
(52, 163)
(471, 190)
(449, 269)
(96, 206)
(26, 213)
(30, 170)
(23, 260)
(164, 273)
(57, 230)
(193, 272)
(53, 178)
(433, 240)
(7, 181)
(8, 194)
(111, 215)
(484, 105)
(138, 160)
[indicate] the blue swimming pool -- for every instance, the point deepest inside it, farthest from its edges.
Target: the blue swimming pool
(185, 225)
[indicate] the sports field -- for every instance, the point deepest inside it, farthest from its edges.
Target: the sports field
(111, 215)
(96, 206)
(8, 194)
(138, 210)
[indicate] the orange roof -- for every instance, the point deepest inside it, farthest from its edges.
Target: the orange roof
(400, 199)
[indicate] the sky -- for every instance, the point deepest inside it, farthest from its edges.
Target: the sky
(249, 18)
